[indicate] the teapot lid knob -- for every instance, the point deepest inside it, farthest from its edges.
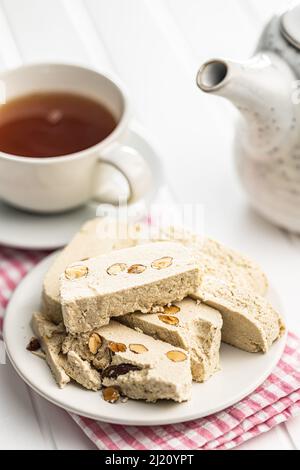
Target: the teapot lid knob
(290, 26)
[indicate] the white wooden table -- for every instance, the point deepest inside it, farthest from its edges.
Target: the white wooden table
(155, 48)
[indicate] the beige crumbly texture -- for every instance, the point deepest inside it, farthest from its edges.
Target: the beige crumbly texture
(234, 285)
(198, 331)
(51, 338)
(63, 366)
(158, 377)
(249, 320)
(96, 237)
(90, 301)
(82, 372)
(220, 261)
(79, 345)
(233, 267)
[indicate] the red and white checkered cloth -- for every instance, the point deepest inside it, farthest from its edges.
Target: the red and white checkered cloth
(276, 400)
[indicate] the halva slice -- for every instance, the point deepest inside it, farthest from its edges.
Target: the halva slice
(249, 320)
(229, 265)
(220, 261)
(63, 366)
(82, 372)
(190, 325)
(135, 364)
(51, 338)
(96, 237)
(139, 278)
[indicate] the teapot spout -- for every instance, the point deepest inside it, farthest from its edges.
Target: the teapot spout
(212, 75)
(261, 89)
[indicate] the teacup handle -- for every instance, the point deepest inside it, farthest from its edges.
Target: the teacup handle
(133, 168)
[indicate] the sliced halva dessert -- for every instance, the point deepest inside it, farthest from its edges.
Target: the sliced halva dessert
(63, 367)
(82, 372)
(51, 337)
(190, 325)
(96, 237)
(233, 266)
(102, 235)
(139, 366)
(138, 278)
(220, 261)
(249, 320)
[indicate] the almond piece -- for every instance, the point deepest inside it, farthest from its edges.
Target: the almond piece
(176, 356)
(76, 272)
(116, 269)
(117, 347)
(95, 343)
(162, 263)
(136, 269)
(168, 319)
(171, 309)
(138, 348)
(110, 394)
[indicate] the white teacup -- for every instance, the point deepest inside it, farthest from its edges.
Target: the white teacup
(60, 183)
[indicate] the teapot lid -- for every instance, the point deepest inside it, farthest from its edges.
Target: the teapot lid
(290, 26)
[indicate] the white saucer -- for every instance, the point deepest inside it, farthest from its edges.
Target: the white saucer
(21, 229)
(241, 372)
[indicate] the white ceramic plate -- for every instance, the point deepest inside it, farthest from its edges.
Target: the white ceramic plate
(241, 372)
(20, 229)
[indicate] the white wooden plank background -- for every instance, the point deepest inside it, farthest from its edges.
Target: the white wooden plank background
(155, 48)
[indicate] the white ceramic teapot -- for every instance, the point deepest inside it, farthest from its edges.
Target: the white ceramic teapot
(266, 90)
